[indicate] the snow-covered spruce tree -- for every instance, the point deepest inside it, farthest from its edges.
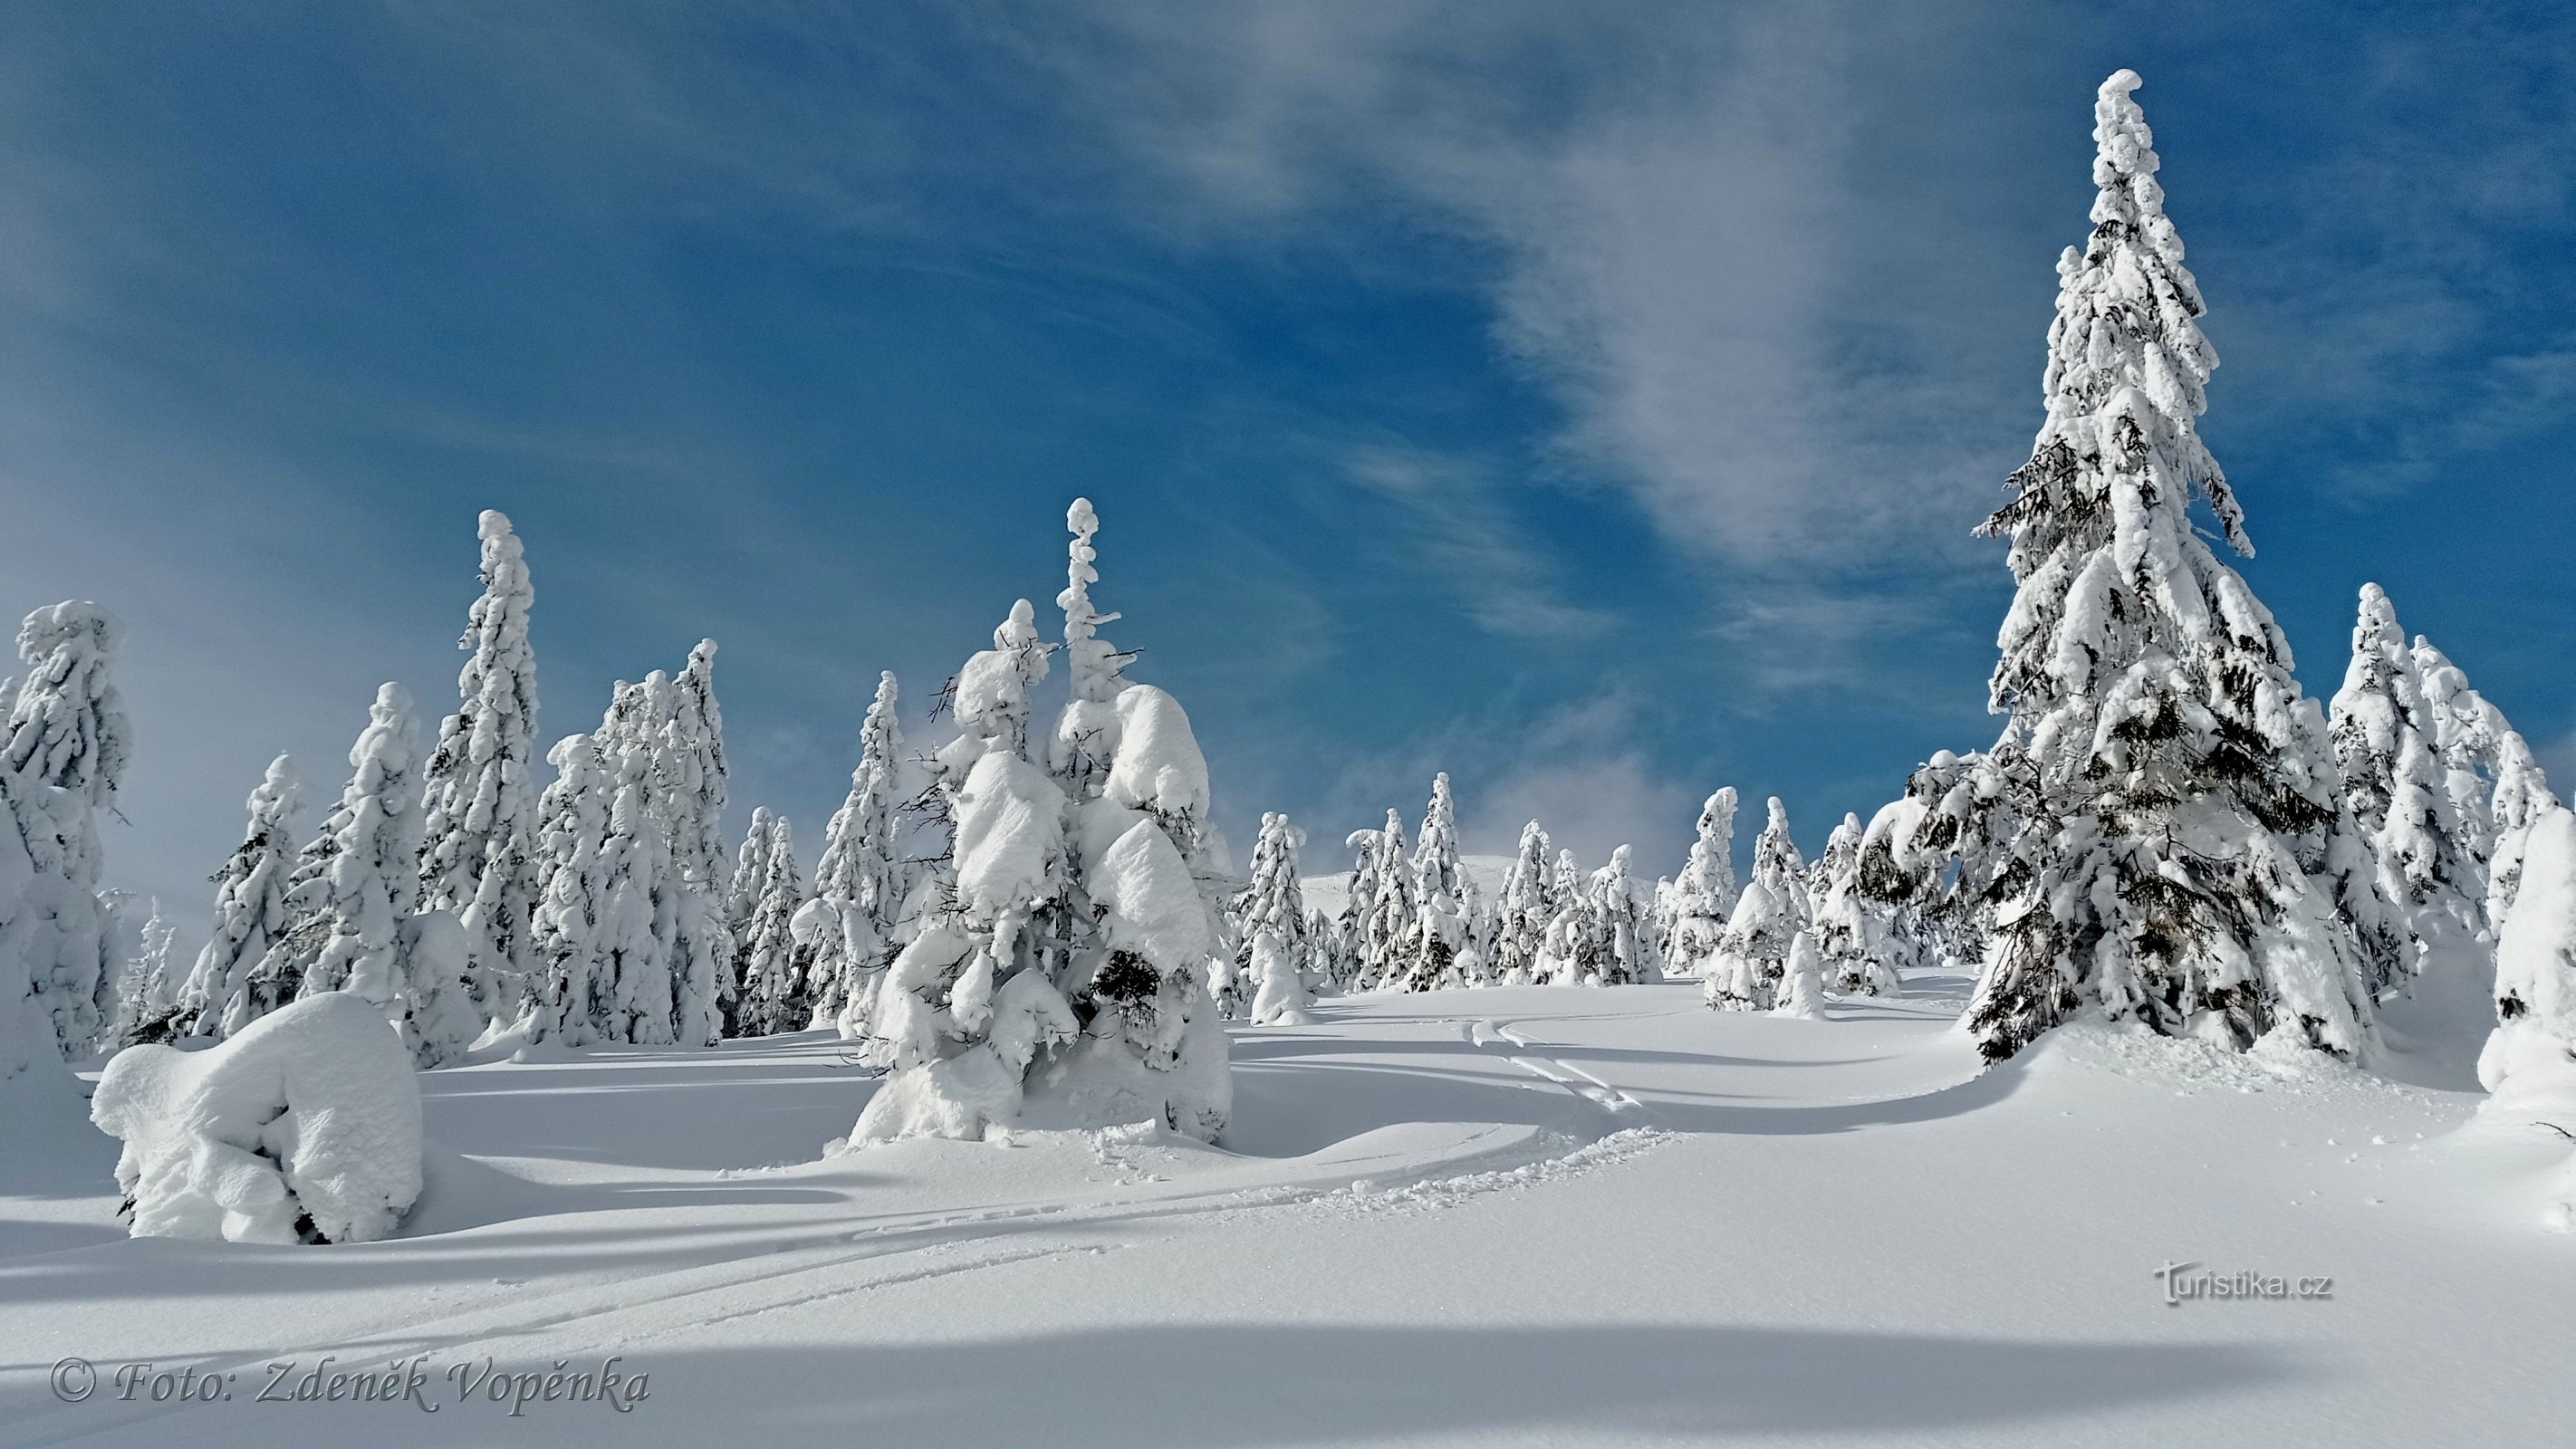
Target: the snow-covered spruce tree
(772, 976)
(1392, 908)
(1703, 895)
(62, 757)
(1332, 962)
(2497, 789)
(1568, 950)
(1802, 990)
(1858, 941)
(1061, 977)
(1281, 991)
(692, 770)
(1751, 957)
(750, 876)
(251, 915)
(662, 741)
(479, 787)
(1274, 902)
(1619, 925)
(855, 920)
(2529, 1063)
(377, 944)
(574, 1003)
(2428, 866)
(1523, 913)
(1439, 932)
(1359, 902)
(2146, 838)
(148, 1005)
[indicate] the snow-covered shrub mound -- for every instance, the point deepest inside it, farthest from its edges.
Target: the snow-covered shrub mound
(303, 1127)
(2530, 1061)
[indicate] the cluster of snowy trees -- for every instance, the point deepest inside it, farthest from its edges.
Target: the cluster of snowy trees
(444, 887)
(1414, 921)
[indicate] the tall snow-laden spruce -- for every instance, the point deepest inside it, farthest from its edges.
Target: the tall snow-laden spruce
(693, 772)
(1619, 926)
(1753, 955)
(477, 856)
(771, 976)
(2148, 838)
(1523, 913)
(251, 915)
(2429, 867)
(1703, 895)
(1369, 867)
(658, 763)
(2496, 787)
(855, 920)
(750, 874)
(1392, 907)
(1060, 975)
(62, 758)
(1429, 956)
(1858, 940)
(1274, 903)
(376, 943)
(147, 1010)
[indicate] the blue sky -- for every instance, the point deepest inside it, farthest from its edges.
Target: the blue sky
(1592, 401)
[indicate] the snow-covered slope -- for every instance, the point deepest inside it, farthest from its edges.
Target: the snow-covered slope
(1504, 1217)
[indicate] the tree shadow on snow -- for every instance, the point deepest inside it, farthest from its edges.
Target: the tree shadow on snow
(1208, 1386)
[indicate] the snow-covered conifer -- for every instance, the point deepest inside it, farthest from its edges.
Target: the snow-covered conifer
(1523, 913)
(2145, 839)
(1439, 931)
(1281, 991)
(854, 922)
(771, 991)
(479, 787)
(2428, 868)
(2529, 1064)
(1619, 926)
(1392, 908)
(1857, 939)
(62, 758)
(1703, 896)
(148, 1004)
(1274, 901)
(1745, 974)
(1064, 970)
(1802, 991)
(251, 914)
(368, 897)
(2496, 787)
(750, 874)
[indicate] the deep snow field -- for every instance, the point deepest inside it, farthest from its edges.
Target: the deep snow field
(1507, 1216)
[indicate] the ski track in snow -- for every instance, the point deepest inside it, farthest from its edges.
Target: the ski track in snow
(1493, 1036)
(764, 1275)
(1514, 1108)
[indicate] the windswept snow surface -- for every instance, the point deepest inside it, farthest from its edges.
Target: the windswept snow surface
(1513, 1216)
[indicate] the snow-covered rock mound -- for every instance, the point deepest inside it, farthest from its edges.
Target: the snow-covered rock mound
(305, 1127)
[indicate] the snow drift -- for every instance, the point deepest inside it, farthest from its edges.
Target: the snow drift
(304, 1127)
